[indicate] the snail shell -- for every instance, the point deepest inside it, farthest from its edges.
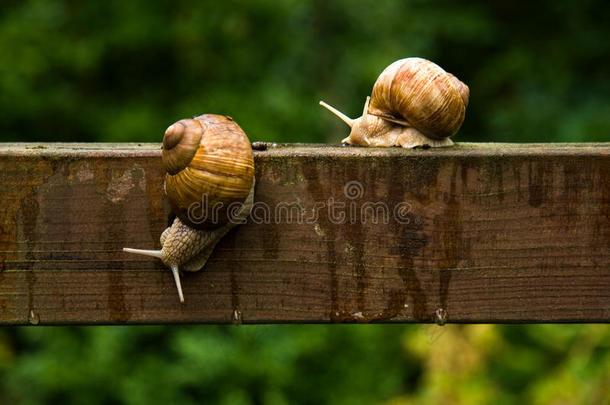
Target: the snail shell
(209, 166)
(421, 93)
(209, 182)
(414, 102)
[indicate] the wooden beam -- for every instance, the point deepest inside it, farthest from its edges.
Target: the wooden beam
(472, 233)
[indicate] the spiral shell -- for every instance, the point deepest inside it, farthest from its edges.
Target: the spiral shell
(419, 93)
(209, 165)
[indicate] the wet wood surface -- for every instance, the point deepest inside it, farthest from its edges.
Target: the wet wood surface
(473, 233)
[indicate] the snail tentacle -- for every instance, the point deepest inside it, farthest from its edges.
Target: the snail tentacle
(176, 274)
(349, 121)
(153, 253)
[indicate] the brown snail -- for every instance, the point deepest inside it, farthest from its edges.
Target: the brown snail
(209, 182)
(414, 103)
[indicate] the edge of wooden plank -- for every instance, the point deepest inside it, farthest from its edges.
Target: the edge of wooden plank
(151, 151)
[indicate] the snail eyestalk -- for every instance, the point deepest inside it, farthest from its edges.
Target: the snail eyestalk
(152, 253)
(338, 113)
(178, 285)
(365, 111)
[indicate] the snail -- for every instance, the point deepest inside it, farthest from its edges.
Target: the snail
(414, 103)
(209, 182)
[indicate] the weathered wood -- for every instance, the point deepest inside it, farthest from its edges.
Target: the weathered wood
(476, 233)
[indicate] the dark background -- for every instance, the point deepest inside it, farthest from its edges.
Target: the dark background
(122, 71)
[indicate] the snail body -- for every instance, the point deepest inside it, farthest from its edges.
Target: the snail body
(209, 182)
(414, 102)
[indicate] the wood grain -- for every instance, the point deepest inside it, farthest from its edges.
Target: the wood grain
(474, 233)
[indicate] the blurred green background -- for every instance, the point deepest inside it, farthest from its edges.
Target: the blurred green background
(123, 70)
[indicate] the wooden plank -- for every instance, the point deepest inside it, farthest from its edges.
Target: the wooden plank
(475, 233)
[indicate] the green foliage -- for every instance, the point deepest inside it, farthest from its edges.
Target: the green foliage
(123, 70)
(308, 364)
